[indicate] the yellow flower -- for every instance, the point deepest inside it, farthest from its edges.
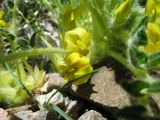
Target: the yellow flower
(153, 38)
(77, 40)
(75, 66)
(2, 22)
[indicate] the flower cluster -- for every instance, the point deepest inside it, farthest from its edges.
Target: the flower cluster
(76, 63)
(153, 38)
(153, 27)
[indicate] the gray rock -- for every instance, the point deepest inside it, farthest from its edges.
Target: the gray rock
(57, 99)
(18, 109)
(53, 80)
(4, 115)
(103, 89)
(155, 103)
(92, 115)
(39, 115)
(71, 107)
(156, 98)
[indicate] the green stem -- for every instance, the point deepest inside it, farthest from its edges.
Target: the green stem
(59, 5)
(14, 24)
(139, 73)
(14, 17)
(31, 52)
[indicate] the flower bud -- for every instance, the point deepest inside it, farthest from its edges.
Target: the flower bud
(123, 10)
(149, 7)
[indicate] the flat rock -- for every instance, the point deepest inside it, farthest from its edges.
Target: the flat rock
(156, 98)
(53, 81)
(155, 103)
(92, 115)
(4, 115)
(57, 99)
(18, 109)
(71, 107)
(103, 89)
(39, 115)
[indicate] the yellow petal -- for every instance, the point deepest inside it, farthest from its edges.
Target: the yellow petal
(4, 24)
(72, 36)
(86, 39)
(72, 58)
(82, 48)
(150, 47)
(1, 14)
(83, 61)
(149, 7)
(67, 69)
(70, 45)
(84, 70)
(153, 32)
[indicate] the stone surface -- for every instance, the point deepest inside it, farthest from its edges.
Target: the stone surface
(39, 115)
(18, 109)
(156, 98)
(4, 115)
(53, 80)
(57, 99)
(103, 89)
(155, 103)
(71, 107)
(92, 115)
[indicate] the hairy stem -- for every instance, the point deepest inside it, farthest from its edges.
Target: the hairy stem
(139, 73)
(31, 52)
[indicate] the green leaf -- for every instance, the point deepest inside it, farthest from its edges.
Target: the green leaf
(153, 59)
(113, 4)
(154, 87)
(138, 58)
(7, 34)
(135, 88)
(142, 2)
(32, 40)
(23, 43)
(142, 23)
(142, 37)
(10, 4)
